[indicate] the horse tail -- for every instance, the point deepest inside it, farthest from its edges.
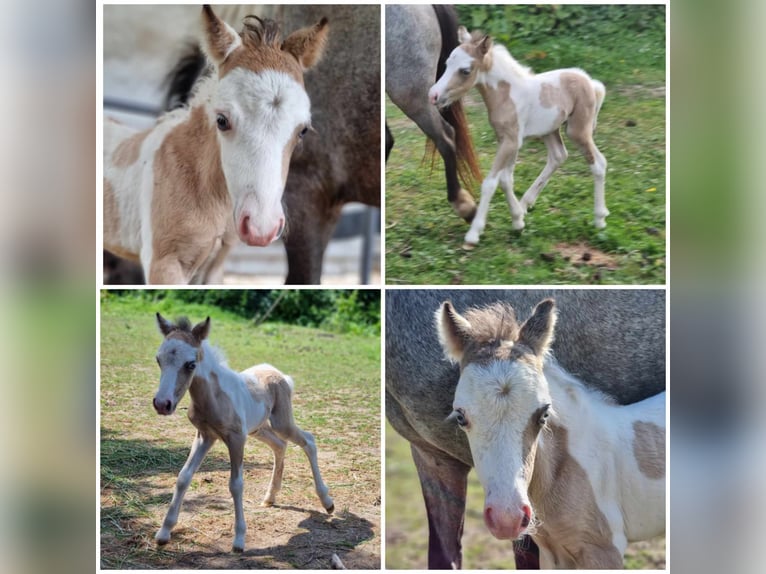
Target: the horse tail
(600, 91)
(467, 162)
(180, 81)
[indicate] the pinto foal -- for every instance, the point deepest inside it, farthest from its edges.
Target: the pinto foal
(228, 406)
(580, 474)
(177, 195)
(522, 104)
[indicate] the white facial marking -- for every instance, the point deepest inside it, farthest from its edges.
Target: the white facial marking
(173, 355)
(443, 91)
(264, 110)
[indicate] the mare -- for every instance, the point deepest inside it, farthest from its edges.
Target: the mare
(340, 162)
(228, 406)
(418, 40)
(580, 473)
(521, 105)
(177, 195)
(612, 340)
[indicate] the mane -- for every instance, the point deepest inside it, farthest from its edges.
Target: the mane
(261, 31)
(183, 324)
(493, 322)
(502, 55)
(556, 374)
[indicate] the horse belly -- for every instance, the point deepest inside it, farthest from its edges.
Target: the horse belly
(543, 122)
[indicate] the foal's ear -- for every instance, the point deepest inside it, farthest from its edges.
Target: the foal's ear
(220, 38)
(463, 35)
(537, 332)
(165, 326)
(484, 45)
(307, 44)
(200, 331)
(454, 331)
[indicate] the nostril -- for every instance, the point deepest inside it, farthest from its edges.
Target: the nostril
(488, 515)
(167, 406)
(527, 516)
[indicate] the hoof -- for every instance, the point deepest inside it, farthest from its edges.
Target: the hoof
(330, 509)
(161, 541)
(469, 246)
(465, 205)
(267, 503)
(237, 549)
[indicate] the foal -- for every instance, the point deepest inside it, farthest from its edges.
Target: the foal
(582, 475)
(228, 406)
(170, 191)
(522, 104)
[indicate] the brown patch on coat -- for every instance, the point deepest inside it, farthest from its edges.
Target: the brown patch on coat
(504, 120)
(578, 88)
(190, 200)
(570, 523)
(129, 150)
(211, 409)
(649, 449)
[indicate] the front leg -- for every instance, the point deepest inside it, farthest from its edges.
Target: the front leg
(165, 271)
(444, 481)
(504, 161)
(200, 447)
(236, 444)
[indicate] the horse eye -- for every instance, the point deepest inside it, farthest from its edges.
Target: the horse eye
(190, 366)
(222, 122)
(303, 132)
(544, 415)
(465, 71)
(460, 418)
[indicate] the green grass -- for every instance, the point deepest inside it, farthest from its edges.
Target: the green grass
(424, 237)
(337, 398)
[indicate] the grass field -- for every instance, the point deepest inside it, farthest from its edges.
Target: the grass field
(559, 244)
(407, 528)
(337, 398)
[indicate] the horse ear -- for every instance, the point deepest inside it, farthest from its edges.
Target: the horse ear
(165, 326)
(220, 38)
(462, 35)
(453, 330)
(485, 45)
(537, 332)
(200, 331)
(307, 44)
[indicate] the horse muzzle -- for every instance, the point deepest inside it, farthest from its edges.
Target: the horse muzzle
(506, 525)
(163, 407)
(249, 234)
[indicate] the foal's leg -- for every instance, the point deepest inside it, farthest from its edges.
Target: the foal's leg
(265, 434)
(236, 444)
(581, 132)
(200, 447)
(505, 159)
(557, 154)
(444, 482)
(305, 440)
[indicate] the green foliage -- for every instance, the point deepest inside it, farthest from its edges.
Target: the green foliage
(345, 311)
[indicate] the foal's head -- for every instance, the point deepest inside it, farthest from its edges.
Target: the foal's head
(261, 112)
(178, 357)
(501, 401)
(462, 68)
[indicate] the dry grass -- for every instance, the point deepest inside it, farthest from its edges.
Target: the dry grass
(337, 398)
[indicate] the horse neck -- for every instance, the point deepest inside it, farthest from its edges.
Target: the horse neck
(211, 365)
(504, 68)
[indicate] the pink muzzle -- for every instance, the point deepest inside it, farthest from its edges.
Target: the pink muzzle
(506, 525)
(249, 234)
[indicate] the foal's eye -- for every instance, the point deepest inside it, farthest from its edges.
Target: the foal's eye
(190, 366)
(460, 419)
(303, 132)
(223, 123)
(544, 415)
(465, 71)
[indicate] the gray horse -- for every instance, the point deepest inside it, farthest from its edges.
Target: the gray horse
(612, 340)
(418, 40)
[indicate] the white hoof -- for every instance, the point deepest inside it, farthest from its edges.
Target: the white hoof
(517, 224)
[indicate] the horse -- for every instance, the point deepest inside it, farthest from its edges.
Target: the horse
(582, 474)
(418, 40)
(612, 340)
(340, 162)
(229, 406)
(177, 195)
(521, 105)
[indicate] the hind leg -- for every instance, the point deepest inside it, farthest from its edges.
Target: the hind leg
(266, 435)
(582, 134)
(557, 155)
(305, 440)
